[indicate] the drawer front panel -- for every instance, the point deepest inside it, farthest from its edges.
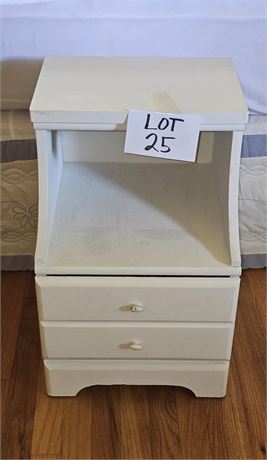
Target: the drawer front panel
(136, 298)
(136, 340)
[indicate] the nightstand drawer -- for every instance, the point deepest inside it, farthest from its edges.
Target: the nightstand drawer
(119, 298)
(76, 339)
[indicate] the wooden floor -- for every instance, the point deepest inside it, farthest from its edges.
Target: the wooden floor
(124, 421)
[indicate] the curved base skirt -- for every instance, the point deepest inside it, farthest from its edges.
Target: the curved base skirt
(66, 377)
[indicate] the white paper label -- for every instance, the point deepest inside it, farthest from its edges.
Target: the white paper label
(172, 136)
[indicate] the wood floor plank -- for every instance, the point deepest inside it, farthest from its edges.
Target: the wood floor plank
(15, 286)
(261, 454)
(225, 427)
(48, 420)
(77, 426)
(45, 457)
(257, 280)
(165, 440)
(4, 400)
(251, 316)
(135, 423)
(20, 393)
(105, 422)
(247, 380)
(193, 428)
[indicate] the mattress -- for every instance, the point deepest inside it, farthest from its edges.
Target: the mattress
(19, 183)
(32, 29)
(253, 194)
(19, 191)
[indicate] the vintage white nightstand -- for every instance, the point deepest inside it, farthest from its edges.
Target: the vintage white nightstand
(137, 261)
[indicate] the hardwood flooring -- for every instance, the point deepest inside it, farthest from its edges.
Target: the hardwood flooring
(127, 421)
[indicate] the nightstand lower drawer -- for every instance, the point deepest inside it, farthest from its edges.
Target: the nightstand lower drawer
(136, 340)
(122, 298)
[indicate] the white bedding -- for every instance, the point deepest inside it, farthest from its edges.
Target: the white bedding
(32, 29)
(253, 193)
(253, 205)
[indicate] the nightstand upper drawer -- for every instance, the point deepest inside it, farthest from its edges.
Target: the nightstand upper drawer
(136, 298)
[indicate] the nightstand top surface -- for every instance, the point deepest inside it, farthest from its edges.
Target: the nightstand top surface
(103, 89)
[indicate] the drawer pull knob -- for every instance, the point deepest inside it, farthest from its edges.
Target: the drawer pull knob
(136, 308)
(136, 346)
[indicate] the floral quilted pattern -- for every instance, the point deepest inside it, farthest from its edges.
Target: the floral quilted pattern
(26, 216)
(19, 209)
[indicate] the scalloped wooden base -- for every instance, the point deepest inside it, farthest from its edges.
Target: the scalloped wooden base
(203, 378)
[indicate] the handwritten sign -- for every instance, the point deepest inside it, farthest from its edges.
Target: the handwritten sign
(172, 136)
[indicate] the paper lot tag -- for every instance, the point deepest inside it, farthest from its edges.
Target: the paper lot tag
(172, 136)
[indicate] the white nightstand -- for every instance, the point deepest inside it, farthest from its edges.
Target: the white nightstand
(137, 261)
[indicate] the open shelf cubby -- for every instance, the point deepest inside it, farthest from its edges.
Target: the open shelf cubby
(112, 213)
